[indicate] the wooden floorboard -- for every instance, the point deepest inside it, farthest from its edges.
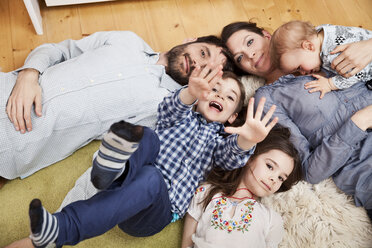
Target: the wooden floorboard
(162, 23)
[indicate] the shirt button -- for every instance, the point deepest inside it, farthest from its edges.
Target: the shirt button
(175, 182)
(119, 75)
(187, 161)
(92, 81)
(62, 89)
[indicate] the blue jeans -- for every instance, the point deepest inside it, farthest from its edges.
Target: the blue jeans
(139, 204)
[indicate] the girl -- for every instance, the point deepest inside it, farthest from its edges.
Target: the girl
(225, 211)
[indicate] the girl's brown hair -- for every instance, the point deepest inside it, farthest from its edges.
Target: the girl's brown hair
(226, 182)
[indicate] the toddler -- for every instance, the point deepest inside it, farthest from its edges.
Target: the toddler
(298, 46)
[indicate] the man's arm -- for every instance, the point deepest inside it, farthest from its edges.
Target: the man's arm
(27, 91)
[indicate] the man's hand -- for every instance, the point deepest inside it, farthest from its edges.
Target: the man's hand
(322, 84)
(353, 57)
(363, 118)
(201, 83)
(25, 93)
(254, 130)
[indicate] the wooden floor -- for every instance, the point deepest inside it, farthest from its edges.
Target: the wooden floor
(162, 23)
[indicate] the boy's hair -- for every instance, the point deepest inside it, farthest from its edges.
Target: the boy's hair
(214, 40)
(234, 27)
(227, 182)
(288, 37)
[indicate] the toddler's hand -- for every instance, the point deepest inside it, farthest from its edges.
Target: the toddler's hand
(254, 130)
(322, 84)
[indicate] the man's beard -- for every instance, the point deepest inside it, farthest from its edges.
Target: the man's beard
(175, 58)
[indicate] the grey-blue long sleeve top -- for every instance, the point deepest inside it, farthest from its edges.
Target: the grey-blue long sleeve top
(329, 143)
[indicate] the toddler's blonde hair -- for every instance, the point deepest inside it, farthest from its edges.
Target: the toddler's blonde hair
(288, 37)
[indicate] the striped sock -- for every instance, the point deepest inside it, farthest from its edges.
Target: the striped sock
(44, 226)
(116, 148)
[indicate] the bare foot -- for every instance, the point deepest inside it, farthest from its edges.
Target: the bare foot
(23, 243)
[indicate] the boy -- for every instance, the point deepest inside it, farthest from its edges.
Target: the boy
(148, 179)
(299, 47)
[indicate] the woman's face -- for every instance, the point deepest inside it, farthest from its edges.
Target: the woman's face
(251, 51)
(265, 174)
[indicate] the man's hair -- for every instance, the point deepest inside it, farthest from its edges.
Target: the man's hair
(227, 182)
(214, 40)
(234, 27)
(288, 37)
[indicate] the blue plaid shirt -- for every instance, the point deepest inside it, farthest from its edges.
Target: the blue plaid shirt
(189, 147)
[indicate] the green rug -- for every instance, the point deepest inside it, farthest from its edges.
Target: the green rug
(51, 185)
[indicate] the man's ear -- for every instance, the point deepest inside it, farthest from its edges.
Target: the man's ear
(266, 34)
(188, 40)
(232, 118)
(308, 45)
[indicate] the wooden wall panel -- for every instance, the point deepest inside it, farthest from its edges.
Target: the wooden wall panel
(6, 53)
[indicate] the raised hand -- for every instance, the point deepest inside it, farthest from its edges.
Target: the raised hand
(255, 129)
(322, 84)
(201, 83)
(26, 92)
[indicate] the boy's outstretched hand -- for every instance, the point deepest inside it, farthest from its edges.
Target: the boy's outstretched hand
(201, 83)
(255, 129)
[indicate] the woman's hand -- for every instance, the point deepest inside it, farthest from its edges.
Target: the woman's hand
(353, 57)
(254, 130)
(25, 93)
(363, 118)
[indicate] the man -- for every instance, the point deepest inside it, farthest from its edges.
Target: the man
(79, 88)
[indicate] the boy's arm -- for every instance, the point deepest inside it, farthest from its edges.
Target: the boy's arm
(189, 228)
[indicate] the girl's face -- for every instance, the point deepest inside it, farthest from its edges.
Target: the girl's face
(265, 174)
(251, 51)
(222, 102)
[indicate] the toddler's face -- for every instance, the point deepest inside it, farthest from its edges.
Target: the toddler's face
(265, 174)
(222, 102)
(300, 60)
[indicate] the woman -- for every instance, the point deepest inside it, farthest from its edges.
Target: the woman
(333, 134)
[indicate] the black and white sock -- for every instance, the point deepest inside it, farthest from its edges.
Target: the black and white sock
(116, 148)
(44, 226)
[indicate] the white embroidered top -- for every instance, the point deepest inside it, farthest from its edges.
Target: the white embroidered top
(227, 223)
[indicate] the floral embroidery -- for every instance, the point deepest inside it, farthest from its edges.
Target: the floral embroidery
(200, 189)
(230, 225)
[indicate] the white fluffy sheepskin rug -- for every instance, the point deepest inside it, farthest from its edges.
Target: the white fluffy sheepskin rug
(317, 216)
(321, 216)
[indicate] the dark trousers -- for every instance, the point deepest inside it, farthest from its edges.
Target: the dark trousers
(139, 204)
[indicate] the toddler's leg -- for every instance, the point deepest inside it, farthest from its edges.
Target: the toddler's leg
(44, 226)
(116, 148)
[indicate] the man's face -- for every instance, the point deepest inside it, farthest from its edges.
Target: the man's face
(184, 58)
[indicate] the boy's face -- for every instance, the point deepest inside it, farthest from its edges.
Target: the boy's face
(301, 60)
(265, 174)
(222, 102)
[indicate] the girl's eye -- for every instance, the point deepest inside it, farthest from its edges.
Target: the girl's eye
(231, 98)
(214, 90)
(239, 59)
(281, 178)
(249, 42)
(269, 166)
(202, 53)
